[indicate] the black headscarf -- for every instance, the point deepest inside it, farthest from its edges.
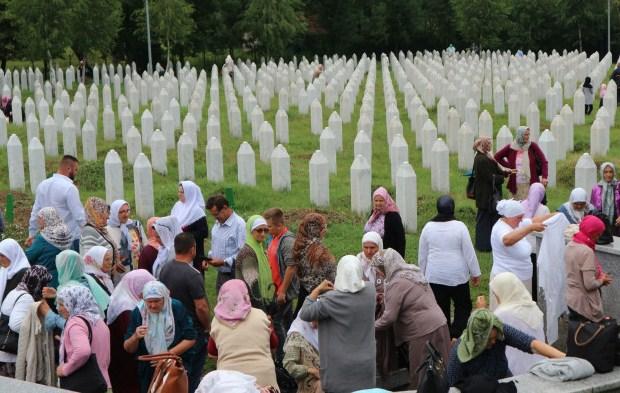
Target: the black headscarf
(445, 209)
(587, 82)
(34, 280)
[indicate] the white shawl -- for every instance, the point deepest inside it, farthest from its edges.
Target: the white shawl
(11, 249)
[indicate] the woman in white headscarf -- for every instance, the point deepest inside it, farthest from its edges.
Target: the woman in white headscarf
(301, 355)
(167, 228)
(346, 317)
(517, 309)
(577, 206)
(371, 244)
(190, 213)
(13, 265)
(98, 264)
(411, 310)
(128, 235)
(158, 324)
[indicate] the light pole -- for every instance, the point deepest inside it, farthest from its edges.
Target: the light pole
(148, 36)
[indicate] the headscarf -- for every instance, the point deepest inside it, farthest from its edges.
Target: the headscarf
(93, 261)
(78, 301)
(34, 280)
(483, 145)
(365, 262)
(128, 293)
(70, 267)
(233, 302)
(349, 277)
(265, 281)
(509, 208)
(308, 240)
(227, 381)
(589, 228)
(193, 208)
(520, 140)
(577, 195)
(445, 209)
(160, 333)
(608, 198)
(96, 209)
(167, 228)
(5, 101)
(310, 333)
(14, 253)
(54, 231)
(395, 266)
(515, 299)
(476, 335)
(587, 83)
(114, 221)
(376, 222)
(534, 198)
(151, 234)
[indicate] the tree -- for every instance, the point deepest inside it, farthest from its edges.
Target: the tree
(482, 22)
(273, 25)
(94, 25)
(8, 42)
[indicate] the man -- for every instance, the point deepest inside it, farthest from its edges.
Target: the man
(60, 193)
(187, 286)
(283, 271)
(227, 238)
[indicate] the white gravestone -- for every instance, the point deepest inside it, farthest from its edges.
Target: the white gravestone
(327, 142)
(399, 153)
(407, 196)
(503, 138)
(319, 179)
(282, 127)
(280, 169)
(265, 142)
(146, 123)
(15, 156)
(361, 186)
(429, 136)
(362, 146)
(69, 133)
(159, 152)
(134, 144)
(36, 163)
(599, 139)
(485, 125)
(185, 158)
(113, 171)
(440, 167)
(143, 187)
(109, 126)
(585, 173)
(89, 142)
(335, 124)
(466, 152)
(548, 144)
(533, 121)
(51, 137)
(454, 123)
(246, 165)
(316, 117)
(215, 161)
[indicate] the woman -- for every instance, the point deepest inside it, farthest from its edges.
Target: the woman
(606, 196)
(190, 213)
(98, 265)
(252, 265)
(53, 237)
(371, 244)
(241, 337)
(127, 234)
(488, 179)
(584, 274)
(124, 299)
(301, 356)
(411, 309)
(448, 261)
(588, 93)
(517, 309)
(533, 207)
(481, 350)
(13, 266)
(77, 305)
(386, 221)
(314, 262)
(346, 328)
(167, 228)
(577, 206)
(528, 161)
(16, 307)
(151, 248)
(158, 324)
(95, 233)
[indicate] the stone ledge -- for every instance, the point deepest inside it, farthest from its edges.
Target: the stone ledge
(15, 385)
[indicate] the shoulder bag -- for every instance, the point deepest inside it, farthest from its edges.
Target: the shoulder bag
(432, 374)
(594, 342)
(8, 338)
(169, 375)
(470, 190)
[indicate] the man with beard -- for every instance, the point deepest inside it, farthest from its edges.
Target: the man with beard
(60, 192)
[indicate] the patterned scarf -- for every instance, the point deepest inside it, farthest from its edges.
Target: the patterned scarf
(609, 200)
(54, 231)
(34, 280)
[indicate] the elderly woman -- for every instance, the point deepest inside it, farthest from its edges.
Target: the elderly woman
(241, 337)
(606, 196)
(53, 237)
(448, 261)
(371, 244)
(98, 265)
(158, 324)
(528, 161)
(151, 248)
(124, 299)
(481, 349)
(190, 213)
(577, 206)
(346, 328)
(127, 234)
(411, 309)
(167, 228)
(488, 179)
(517, 309)
(313, 261)
(301, 356)
(386, 221)
(252, 265)
(13, 266)
(584, 274)
(95, 232)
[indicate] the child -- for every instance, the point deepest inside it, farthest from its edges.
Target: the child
(588, 93)
(601, 92)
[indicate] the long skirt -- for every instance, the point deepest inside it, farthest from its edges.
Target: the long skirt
(485, 219)
(440, 338)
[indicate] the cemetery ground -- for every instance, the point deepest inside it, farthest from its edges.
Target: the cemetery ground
(345, 229)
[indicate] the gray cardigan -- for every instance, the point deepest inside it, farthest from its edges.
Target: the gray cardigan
(347, 347)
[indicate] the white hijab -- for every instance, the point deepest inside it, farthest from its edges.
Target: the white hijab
(14, 253)
(514, 299)
(167, 228)
(306, 330)
(349, 277)
(577, 195)
(227, 381)
(93, 261)
(365, 263)
(193, 208)
(114, 222)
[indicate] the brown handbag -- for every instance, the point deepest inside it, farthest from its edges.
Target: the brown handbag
(169, 375)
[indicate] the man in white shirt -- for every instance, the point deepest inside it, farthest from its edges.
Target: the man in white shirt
(227, 238)
(60, 193)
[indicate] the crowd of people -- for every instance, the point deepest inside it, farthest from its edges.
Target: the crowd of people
(94, 281)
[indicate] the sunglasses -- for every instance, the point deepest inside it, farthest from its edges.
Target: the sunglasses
(263, 230)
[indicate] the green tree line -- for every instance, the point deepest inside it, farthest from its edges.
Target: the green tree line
(115, 30)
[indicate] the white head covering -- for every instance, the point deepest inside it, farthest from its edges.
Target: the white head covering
(510, 208)
(14, 253)
(128, 293)
(93, 261)
(367, 268)
(167, 228)
(193, 208)
(349, 276)
(515, 299)
(306, 330)
(227, 381)
(260, 221)
(113, 220)
(373, 237)
(578, 195)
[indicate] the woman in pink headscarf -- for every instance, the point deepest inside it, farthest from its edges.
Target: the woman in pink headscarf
(533, 207)
(241, 337)
(386, 221)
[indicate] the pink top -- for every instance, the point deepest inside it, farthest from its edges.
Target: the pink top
(79, 350)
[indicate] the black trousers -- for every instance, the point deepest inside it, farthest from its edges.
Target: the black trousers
(589, 109)
(222, 277)
(282, 320)
(485, 219)
(301, 298)
(459, 295)
(534, 258)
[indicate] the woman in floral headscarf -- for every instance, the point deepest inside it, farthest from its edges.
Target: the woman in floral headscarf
(606, 196)
(95, 232)
(386, 221)
(127, 235)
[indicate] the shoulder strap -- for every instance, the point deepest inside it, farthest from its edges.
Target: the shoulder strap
(90, 331)
(16, 300)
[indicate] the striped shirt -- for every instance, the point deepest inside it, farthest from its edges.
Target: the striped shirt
(227, 238)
